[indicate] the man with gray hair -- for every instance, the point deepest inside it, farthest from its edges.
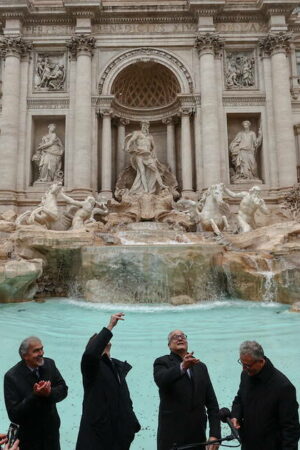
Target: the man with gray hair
(31, 390)
(265, 409)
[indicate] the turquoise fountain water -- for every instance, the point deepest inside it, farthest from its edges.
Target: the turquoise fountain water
(214, 329)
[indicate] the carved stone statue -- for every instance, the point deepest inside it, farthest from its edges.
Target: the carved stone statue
(46, 213)
(49, 75)
(86, 211)
(48, 157)
(211, 212)
(140, 146)
(250, 203)
(243, 150)
(239, 71)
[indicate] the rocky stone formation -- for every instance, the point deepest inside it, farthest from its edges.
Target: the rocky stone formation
(151, 263)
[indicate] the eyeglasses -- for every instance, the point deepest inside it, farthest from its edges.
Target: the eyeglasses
(247, 366)
(176, 337)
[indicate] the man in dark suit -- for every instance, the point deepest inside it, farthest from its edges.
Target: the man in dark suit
(186, 397)
(265, 409)
(31, 390)
(108, 421)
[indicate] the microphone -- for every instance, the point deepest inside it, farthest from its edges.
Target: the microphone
(224, 416)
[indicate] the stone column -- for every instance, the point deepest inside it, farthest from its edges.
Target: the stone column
(12, 48)
(271, 159)
(171, 149)
(198, 152)
(106, 162)
(208, 46)
(186, 151)
(121, 156)
(277, 45)
(81, 47)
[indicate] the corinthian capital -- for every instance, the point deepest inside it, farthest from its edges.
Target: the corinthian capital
(275, 42)
(16, 46)
(209, 42)
(81, 43)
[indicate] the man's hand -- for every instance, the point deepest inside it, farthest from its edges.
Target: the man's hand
(3, 439)
(212, 446)
(42, 388)
(189, 361)
(14, 447)
(114, 320)
(235, 423)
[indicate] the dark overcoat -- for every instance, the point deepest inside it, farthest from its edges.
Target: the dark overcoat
(108, 421)
(185, 403)
(267, 410)
(37, 416)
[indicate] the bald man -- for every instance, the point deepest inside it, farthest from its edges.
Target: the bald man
(187, 397)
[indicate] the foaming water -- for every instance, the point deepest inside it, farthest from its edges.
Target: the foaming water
(214, 328)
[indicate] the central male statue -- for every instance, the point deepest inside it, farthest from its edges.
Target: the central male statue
(140, 146)
(187, 397)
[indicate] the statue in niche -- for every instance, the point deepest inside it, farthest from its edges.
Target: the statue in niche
(250, 203)
(243, 151)
(48, 157)
(49, 75)
(140, 146)
(239, 71)
(86, 211)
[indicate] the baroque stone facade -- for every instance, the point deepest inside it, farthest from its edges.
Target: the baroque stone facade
(196, 71)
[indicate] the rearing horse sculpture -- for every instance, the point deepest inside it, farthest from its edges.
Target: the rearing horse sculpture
(210, 213)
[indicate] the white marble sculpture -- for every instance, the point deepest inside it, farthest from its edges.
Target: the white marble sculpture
(140, 146)
(250, 203)
(49, 75)
(243, 150)
(211, 212)
(239, 71)
(48, 156)
(86, 210)
(46, 213)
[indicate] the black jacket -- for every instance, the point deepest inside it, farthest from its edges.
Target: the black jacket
(184, 403)
(267, 410)
(37, 416)
(108, 421)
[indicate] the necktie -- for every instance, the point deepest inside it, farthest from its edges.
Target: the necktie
(36, 373)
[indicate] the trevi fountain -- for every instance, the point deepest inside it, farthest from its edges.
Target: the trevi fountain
(150, 163)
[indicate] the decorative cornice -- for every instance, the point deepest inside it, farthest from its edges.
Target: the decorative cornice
(45, 103)
(16, 46)
(81, 43)
(145, 52)
(209, 42)
(244, 101)
(275, 42)
(238, 17)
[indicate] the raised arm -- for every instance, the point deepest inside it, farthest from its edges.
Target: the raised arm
(71, 200)
(164, 375)
(234, 194)
(96, 347)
